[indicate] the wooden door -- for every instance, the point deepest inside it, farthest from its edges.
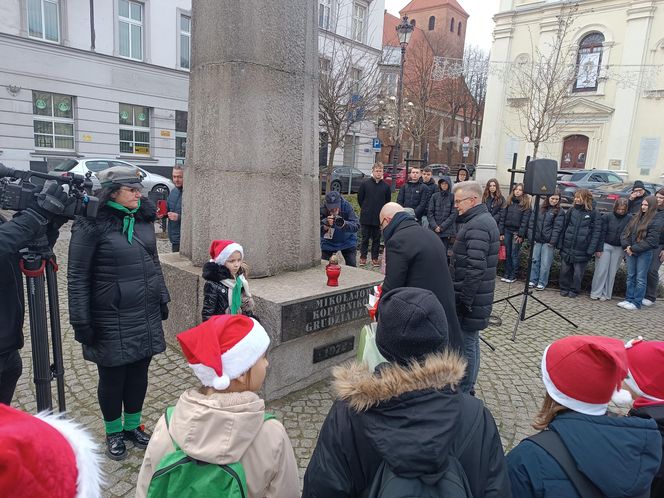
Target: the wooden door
(575, 150)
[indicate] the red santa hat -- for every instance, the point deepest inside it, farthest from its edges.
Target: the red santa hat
(46, 455)
(221, 250)
(585, 373)
(223, 348)
(646, 369)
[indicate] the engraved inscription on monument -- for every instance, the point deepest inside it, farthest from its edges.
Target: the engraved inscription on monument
(305, 317)
(328, 351)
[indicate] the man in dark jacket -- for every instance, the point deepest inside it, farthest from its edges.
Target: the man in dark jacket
(374, 193)
(414, 194)
(338, 228)
(442, 214)
(474, 262)
(415, 257)
(408, 422)
(15, 234)
(174, 206)
(430, 183)
(635, 198)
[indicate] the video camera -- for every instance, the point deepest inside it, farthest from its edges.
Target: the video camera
(17, 192)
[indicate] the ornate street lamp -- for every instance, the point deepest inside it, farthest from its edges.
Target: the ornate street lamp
(404, 32)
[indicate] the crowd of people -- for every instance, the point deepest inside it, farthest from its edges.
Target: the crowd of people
(410, 427)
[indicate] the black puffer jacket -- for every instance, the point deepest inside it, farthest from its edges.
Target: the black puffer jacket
(550, 224)
(216, 300)
(473, 265)
(409, 421)
(655, 412)
(581, 234)
(414, 195)
(442, 212)
(514, 219)
(648, 243)
(116, 289)
(371, 197)
(613, 226)
(495, 206)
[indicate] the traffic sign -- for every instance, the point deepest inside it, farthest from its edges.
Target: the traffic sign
(376, 144)
(466, 140)
(465, 148)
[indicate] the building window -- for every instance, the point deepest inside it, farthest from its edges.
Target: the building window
(185, 42)
(413, 23)
(130, 29)
(355, 78)
(53, 120)
(324, 66)
(43, 20)
(134, 129)
(359, 22)
(452, 25)
(390, 84)
(180, 136)
(588, 62)
(324, 14)
(432, 23)
(459, 29)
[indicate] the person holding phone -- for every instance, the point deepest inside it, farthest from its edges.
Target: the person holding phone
(174, 208)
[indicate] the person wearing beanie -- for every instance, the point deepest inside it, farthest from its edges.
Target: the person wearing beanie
(224, 421)
(117, 302)
(636, 196)
(406, 415)
(645, 380)
(608, 455)
(338, 228)
(46, 455)
(226, 290)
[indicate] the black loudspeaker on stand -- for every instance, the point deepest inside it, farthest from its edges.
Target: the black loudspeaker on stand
(539, 179)
(39, 266)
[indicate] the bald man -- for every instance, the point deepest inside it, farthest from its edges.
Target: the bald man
(416, 257)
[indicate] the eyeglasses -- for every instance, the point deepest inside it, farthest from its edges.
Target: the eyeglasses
(132, 190)
(459, 201)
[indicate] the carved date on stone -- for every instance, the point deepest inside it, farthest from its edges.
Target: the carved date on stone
(335, 349)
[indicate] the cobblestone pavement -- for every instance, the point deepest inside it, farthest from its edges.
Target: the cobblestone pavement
(509, 379)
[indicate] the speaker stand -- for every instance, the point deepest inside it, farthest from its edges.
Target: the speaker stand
(527, 291)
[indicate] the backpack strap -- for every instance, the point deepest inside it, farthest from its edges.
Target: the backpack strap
(551, 442)
(167, 418)
(477, 419)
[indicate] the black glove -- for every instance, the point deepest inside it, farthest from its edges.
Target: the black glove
(164, 311)
(84, 334)
(461, 308)
(51, 201)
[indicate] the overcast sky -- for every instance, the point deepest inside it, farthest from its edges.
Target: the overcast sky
(480, 22)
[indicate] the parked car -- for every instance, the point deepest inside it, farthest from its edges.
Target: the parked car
(341, 178)
(439, 170)
(605, 196)
(400, 176)
(151, 181)
(455, 169)
(569, 181)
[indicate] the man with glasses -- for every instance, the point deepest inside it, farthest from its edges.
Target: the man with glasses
(473, 267)
(174, 206)
(635, 198)
(416, 257)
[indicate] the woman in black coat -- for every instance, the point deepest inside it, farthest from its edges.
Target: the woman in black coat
(550, 222)
(513, 225)
(579, 242)
(117, 301)
(442, 214)
(493, 198)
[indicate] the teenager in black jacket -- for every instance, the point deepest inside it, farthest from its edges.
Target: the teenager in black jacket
(442, 214)
(550, 222)
(414, 194)
(513, 225)
(578, 243)
(407, 414)
(374, 193)
(606, 267)
(493, 198)
(657, 255)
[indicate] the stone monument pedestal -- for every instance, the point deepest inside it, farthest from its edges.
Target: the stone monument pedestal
(312, 327)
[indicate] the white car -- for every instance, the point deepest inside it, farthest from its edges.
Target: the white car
(151, 181)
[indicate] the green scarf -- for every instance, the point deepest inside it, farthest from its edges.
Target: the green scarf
(236, 298)
(128, 221)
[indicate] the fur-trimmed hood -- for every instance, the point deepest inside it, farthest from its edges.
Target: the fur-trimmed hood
(363, 389)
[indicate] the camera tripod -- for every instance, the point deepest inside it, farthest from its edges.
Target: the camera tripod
(527, 291)
(39, 266)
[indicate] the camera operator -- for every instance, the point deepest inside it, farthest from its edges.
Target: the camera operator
(338, 228)
(41, 218)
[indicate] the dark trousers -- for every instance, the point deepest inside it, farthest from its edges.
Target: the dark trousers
(122, 387)
(571, 275)
(175, 247)
(11, 367)
(653, 275)
(512, 250)
(370, 232)
(350, 255)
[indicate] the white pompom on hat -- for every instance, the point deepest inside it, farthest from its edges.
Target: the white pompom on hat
(585, 373)
(646, 369)
(223, 348)
(221, 250)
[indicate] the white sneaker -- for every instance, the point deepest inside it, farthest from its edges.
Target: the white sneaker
(503, 279)
(539, 287)
(594, 298)
(603, 298)
(630, 306)
(510, 280)
(622, 304)
(531, 284)
(647, 302)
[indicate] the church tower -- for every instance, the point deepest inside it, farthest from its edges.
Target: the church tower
(444, 23)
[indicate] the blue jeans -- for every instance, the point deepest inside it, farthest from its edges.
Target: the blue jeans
(637, 277)
(542, 259)
(512, 250)
(471, 351)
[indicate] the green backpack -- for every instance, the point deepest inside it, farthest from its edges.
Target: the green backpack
(180, 476)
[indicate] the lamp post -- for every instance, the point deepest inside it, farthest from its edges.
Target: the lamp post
(404, 32)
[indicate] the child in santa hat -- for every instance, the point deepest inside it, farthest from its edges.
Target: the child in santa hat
(645, 380)
(226, 290)
(609, 456)
(46, 456)
(224, 421)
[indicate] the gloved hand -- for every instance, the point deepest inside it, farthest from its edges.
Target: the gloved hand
(84, 334)
(164, 311)
(461, 308)
(51, 201)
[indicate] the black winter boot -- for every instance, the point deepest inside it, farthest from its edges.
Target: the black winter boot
(138, 437)
(115, 446)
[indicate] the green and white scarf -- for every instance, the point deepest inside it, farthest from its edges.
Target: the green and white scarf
(127, 221)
